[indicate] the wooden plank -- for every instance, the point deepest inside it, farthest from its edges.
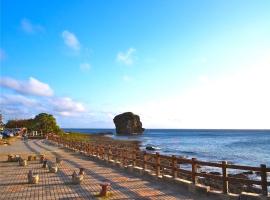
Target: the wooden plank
(165, 157)
(211, 164)
(212, 176)
(166, 166)
(184, 171)
(241, 180)
(242, 167)
(153, 164)
(184, 160)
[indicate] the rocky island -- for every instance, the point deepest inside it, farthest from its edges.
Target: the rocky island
(128, 124)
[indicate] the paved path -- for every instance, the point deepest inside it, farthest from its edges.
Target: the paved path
(13, 178)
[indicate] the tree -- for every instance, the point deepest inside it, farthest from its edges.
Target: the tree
(21, 123)
(46, 123)
(43, 122)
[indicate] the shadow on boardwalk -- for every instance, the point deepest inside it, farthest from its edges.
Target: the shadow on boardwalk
(58, 186)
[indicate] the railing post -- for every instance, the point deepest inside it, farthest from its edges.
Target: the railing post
(123, 160)
(194, 171)
(98, 151)
(109, 153)
(112, 153)
(157, 164)
(119, 155)
(264, 180)
(92, 150)
(83, 146)
(224, 177)
(174, 167)
(88, 149)
(134, 158)
(144, 160)
(116, 154)
(101, 152)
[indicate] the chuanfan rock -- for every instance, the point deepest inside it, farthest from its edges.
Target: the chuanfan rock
(128, 124)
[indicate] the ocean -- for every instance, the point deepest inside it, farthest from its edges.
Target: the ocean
(244, 147)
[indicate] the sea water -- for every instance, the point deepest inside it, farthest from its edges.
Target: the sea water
(244, 147)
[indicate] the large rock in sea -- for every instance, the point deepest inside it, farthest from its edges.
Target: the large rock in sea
(128, 124)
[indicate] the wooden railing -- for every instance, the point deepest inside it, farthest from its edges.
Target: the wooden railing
(169, 165)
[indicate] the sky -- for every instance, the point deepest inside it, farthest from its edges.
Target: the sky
(175, 63)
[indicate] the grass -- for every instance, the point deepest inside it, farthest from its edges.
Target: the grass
(99, 139)
(76, 137)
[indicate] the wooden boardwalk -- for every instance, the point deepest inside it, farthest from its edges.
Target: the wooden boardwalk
(13, 178)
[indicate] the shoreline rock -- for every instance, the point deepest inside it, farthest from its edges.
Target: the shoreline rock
(128, 124)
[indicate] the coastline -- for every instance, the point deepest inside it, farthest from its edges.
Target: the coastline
(204, 169)
(101, 137)
(238, 147)
(212, 179)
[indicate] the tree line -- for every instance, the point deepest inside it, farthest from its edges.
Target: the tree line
(46, 123)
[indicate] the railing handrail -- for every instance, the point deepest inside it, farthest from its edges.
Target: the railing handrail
(145, 159)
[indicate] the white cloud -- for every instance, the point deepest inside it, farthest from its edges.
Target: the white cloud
(31, 87)
(65, 106)
(236, 99)
(71, 40)
(8, 99)
(30, 28)
(2, 55)
(239, 100)
(126, 58)
(204, 79)
(85, 66)
(18, 106)
(43, 100)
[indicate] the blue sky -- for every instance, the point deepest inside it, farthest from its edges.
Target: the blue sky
(178, 64)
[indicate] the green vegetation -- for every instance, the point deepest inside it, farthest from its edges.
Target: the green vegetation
(76, 137)
(21, 123)
(99, 139)
(43, 122)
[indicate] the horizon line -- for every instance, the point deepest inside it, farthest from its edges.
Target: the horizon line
(213, 129)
